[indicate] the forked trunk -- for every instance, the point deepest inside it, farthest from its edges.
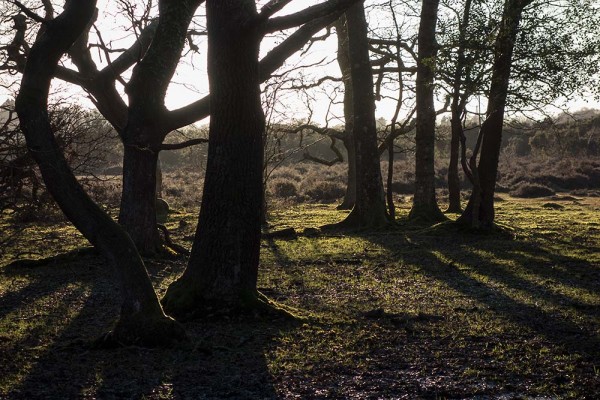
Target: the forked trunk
(223, 267)
(480, 209)
(142, 320)
(145, 128)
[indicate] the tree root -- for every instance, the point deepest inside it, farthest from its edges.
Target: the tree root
(186, 303)
(169, 242)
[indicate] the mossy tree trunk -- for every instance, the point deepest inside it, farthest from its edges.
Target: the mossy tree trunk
(480, 212)
(223, 267)
(425, 207)
(142, 320)
(370, 209)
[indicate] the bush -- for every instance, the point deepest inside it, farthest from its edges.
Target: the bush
(531, 190)
(283, 188)
(324, 191)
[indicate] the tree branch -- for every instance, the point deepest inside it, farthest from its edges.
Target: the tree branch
(307, 15)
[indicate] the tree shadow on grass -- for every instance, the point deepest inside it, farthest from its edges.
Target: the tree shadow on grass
(516, 279)
(225, 358)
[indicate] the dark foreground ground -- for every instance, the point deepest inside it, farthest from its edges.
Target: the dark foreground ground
(413, 313)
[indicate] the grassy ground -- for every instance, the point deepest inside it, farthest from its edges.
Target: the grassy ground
(412, 313)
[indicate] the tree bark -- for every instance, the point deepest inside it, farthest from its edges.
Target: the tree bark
(223, 267)
(370, 209)
(454, 205)
(350, 195)
(138, 210)
(425, 207)
(142, 319)
(343, 58)
(480, 212)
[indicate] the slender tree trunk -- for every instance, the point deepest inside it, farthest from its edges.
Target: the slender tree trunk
(223, 266)
(390, 180)
(343, 58)
(425, 207)
(142, 320)
(454, 205)
(458, 105)
(370, 208)
(480, 209)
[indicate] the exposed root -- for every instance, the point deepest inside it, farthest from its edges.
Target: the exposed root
(169, 242)
(185, 303)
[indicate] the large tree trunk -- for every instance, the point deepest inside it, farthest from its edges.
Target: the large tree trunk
(138, 211)
(369, 209)
(425, 207)
(343, 58)
(142, 320)
(223, 267)
(480, 209)
(145, 129)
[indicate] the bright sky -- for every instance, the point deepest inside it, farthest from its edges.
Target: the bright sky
(190, 81)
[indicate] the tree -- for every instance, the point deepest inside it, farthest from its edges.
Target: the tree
(223, 267)
(144, 123)
(142, 319)
(343, 58)
(479, 212)
(370, 208)
(425, 205)
(547, 64)
(457, 110)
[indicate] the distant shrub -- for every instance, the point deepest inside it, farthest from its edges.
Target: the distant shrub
(288, 173)
(324, 191)
(283, 188)
(531, 190)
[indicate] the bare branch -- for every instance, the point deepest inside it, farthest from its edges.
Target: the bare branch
(183, 145)
(308, 14)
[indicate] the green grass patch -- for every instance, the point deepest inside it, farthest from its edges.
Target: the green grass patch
(408, 313)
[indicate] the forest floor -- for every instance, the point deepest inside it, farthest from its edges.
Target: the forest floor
(407, 313)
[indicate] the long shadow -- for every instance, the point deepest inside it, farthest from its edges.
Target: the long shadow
(554, 328)
(65, 369)
(225, 359)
